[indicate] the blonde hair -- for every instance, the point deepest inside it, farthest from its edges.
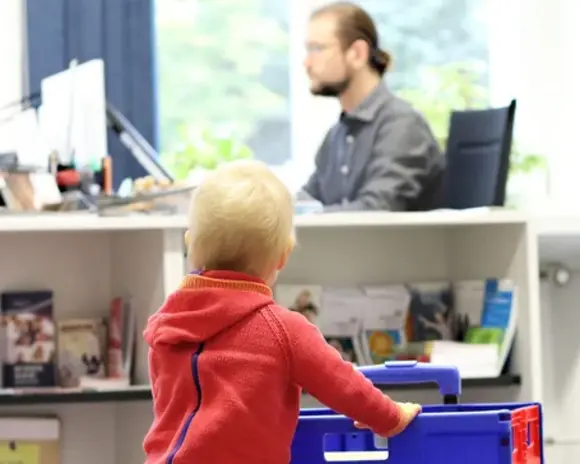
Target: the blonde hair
(241, 219)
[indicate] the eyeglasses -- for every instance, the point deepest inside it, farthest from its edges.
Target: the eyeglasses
(315, 48)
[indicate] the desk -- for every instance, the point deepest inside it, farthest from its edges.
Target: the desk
(143, 256)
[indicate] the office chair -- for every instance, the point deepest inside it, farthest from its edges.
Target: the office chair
(478, 157)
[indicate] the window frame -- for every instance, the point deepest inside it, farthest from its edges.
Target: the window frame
(12, 56)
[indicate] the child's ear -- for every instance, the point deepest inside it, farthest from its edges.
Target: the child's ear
(282, 262)
(186, 237)
(286, 255)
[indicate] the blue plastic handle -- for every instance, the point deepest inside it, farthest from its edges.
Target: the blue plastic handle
(397, 372)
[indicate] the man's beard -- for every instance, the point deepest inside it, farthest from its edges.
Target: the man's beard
(331, 89)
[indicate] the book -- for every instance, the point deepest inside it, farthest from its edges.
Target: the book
(29, 339)
(431, 312)
(29, 440)
(340, 329)
(344, 335)
(303, 299)
(489, 338)
(384, 311)
(414, 351)
(121, 339)
(472, 360)
(468, 297)
(500, 316)
(342, 316)
(81, 350)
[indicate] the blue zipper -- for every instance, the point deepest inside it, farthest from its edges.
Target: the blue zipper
(185, 428)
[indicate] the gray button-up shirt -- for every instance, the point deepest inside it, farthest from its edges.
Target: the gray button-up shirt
(381, 156)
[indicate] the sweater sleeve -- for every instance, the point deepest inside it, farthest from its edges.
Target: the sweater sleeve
(153, 444)
(320, 370)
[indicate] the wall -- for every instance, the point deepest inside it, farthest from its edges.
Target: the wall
(560, 319)
(11, 51)
(546, 76)
(308, 132)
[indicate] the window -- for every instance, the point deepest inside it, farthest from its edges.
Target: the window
(441, 54)
(231, 82)
(224, 81)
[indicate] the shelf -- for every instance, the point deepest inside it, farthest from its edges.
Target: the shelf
(445, 218)
(51, 396)
(556, 223)
(84, 222)
(87, 222)
(143, 393)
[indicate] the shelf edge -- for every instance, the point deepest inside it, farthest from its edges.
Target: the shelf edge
(144, 393)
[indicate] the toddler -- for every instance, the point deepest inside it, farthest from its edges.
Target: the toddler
(228, 365)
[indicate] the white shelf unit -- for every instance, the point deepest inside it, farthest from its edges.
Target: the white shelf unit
(432, 247)
(88, 260)
(86, 268)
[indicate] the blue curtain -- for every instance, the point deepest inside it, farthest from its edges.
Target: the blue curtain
(122, 33)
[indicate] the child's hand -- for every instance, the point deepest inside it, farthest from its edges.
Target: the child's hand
(408, 412)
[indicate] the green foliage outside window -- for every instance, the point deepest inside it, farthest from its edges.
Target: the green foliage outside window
(212, 58)
(224, 75)
(203, 149)
(456, 87)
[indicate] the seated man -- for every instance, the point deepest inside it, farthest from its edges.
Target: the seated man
(381, 154)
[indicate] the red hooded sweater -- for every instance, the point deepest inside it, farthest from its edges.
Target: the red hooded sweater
(227, 368)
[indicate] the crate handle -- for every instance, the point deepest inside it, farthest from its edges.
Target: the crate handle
(399, 372)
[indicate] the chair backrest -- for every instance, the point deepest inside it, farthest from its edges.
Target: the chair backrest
(478, 157)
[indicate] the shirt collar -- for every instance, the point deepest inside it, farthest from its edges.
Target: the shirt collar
(369, 107)
(228, 280)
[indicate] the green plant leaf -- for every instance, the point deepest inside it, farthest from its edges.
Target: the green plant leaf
(204, 148)
(457, 86)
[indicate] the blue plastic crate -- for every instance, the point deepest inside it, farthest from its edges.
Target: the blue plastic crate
(441, 434)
